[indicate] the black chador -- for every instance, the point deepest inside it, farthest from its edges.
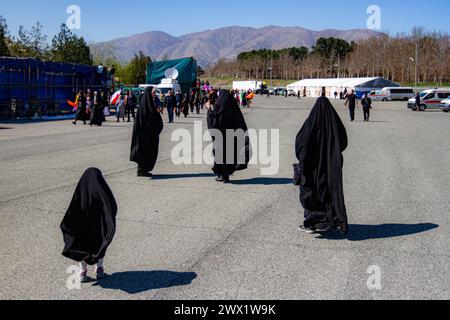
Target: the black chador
(225, 116)
(319, 147)
(90, 222)
(148, 126)
(97, 110)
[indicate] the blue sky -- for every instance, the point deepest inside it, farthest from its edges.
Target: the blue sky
(105, 20)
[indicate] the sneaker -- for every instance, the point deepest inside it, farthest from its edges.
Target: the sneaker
(84, 277)
(302, 228)
(100, 273)
(322, 229)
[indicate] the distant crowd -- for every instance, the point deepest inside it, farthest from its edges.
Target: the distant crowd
(92, 107)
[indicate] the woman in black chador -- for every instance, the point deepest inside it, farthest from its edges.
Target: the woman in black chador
(226, 115)
(90, 223)
(148, 126)
(319, 147)
(97, 109)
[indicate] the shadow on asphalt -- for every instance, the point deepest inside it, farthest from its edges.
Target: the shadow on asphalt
(134, 282)
(372, 121)
(370, 232)
(182, 176)
(263, 181)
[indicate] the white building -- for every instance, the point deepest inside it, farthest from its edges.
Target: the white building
(313, 87)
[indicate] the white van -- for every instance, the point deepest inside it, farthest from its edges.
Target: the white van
(379, 95)
(429, 99)
(400, 93)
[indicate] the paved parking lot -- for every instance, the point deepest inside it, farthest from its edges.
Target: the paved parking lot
(183, 236)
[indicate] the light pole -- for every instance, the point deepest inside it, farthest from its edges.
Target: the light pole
(416, 63)
(271, 70)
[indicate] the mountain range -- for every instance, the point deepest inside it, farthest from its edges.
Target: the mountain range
(211, 45)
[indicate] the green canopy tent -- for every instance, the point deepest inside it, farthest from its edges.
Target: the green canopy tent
(187, 68)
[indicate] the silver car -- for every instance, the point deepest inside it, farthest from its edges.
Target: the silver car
(445, 105)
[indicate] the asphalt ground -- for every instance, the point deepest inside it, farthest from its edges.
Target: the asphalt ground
(184, 236)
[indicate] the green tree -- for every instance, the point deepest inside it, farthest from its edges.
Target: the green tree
(22, 46)
(68, 47)
(38, 42)
(30, 44)
(4, 50)
(137, 69)
(329, 47)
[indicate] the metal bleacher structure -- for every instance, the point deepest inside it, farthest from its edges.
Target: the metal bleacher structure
(29, 86)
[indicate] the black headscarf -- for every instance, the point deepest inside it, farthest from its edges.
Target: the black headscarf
(89, 225)
(148, 126)
(226, 115)
(319, 147)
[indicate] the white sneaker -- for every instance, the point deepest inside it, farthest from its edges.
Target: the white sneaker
(302, 228)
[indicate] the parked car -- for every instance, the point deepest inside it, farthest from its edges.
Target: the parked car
(429, 99)
(379, 95)
(279, 91)
(445, 105)
(399, 93)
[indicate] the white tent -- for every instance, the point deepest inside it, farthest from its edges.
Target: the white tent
(313, 87)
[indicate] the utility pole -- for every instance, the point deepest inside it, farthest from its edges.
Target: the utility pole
(271, 70)
(416, 60)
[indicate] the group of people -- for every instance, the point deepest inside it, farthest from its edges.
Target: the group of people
(91, 105)
(126, 106)
(176, 103)
(244, 98)
(352, 103)
(90, 222)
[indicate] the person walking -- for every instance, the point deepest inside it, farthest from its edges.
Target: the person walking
(352, 103)
(97, 110)
(171, 104)
(120, 109)
(192, 101)
(179, 98)
(223, 117)
(89, 224)
(81, 114)
(197, 101)
(418, 102)
(185, 105)
(146, 131)
(158, 103)
(366, 103)
(130, 106)
(319, 147)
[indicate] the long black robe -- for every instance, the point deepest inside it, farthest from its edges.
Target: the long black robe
(97, 111)
(89, 225)
(319, 147)
(185, 105)
(148, 126)
(81, 114)
(226, 115)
